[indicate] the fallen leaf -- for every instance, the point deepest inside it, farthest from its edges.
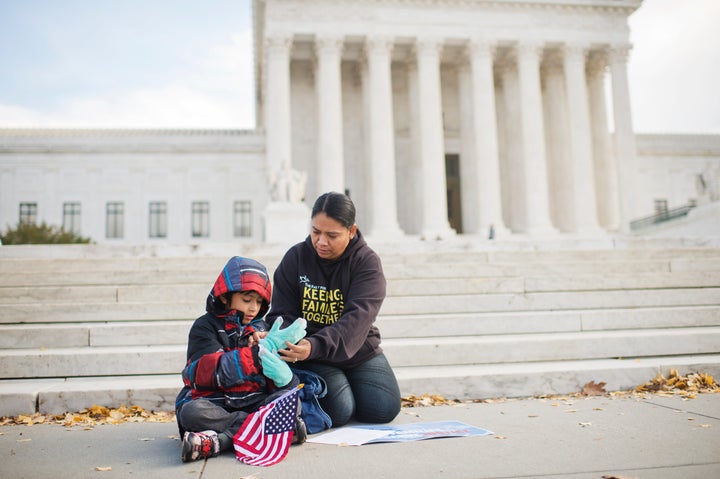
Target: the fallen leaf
(103, 468)
(593, 389)
(500, 437)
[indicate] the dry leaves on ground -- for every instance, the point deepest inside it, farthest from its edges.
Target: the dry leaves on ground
(427, 400)
(92, 416)
(687, 386)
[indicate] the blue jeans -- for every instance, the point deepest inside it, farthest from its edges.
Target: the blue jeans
(368, 392)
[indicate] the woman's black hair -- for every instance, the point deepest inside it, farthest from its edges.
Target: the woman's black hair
(337, 206)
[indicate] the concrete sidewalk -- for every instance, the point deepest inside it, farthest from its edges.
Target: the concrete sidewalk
(584, 438)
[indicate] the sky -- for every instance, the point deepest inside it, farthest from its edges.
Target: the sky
(188, 64)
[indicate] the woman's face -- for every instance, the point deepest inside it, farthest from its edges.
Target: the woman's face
(329, 237)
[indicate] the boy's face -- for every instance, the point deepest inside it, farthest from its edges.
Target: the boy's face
(247, 302)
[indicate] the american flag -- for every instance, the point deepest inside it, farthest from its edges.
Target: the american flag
(266, 434)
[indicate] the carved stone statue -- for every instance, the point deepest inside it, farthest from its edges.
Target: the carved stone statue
(287, 184)
(708, 184)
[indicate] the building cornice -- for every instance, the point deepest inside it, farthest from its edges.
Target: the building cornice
(678, 144)
(119, 141)
(627, 6)
(105, 132)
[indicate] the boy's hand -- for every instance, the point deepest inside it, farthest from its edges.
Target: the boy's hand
(276, 339)
(274, 368)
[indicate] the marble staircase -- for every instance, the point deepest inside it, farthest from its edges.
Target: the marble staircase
(463, 320)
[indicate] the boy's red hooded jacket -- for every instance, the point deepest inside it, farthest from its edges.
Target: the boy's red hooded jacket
(220, 366)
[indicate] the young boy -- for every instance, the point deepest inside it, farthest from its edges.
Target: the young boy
(232, 363)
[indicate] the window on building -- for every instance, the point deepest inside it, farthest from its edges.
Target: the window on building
(114, 220)
(28, 213)
(242, 219)
(200, 221)
(661, 207)
(71, 217)
(158, 219)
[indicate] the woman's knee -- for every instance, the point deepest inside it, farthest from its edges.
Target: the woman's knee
(339, 403)
(377, 394)
(381, 407)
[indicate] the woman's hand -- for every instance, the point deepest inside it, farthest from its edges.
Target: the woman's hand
(296, 352)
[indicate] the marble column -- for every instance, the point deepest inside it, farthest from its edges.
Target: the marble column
(512, 168)
(624, 137)
(485, 139)
(585, 208)
(330, 161)
(435, 223)
(559, 163)
(381, 139)
(532, 136)
(606, 190)
(416, 173)
(277, 102)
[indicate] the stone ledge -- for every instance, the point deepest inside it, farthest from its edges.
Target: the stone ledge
(56, 396)
(545, 378)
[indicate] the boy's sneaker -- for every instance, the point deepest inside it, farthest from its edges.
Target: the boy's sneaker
(200, 445)
(300, 435)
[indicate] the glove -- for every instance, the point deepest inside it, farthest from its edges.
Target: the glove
(274, 368)
(275, 339)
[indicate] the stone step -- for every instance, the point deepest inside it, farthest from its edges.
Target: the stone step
(132, 333)
(157, 392)
(396, 287)
(416, 269)
(465, 350)
(546, 378)
(78, 335)
(482, 324)
(408, 253)
(415, 352)
(92, 310)
(91, 361)
(552, 301)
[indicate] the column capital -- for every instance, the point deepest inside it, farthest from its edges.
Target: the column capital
(529, 48)
(428, 46)
(575, 51)
(597, 62)
(619, 53)
(278, 43)
(481, 47)
(328, 43)
(379, 44)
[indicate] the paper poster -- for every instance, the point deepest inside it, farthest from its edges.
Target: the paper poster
(367, 434)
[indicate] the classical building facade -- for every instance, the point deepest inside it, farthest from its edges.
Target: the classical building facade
(454, 116)
(438, 117)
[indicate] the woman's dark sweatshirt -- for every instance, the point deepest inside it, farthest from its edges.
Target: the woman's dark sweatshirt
(340, 299)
